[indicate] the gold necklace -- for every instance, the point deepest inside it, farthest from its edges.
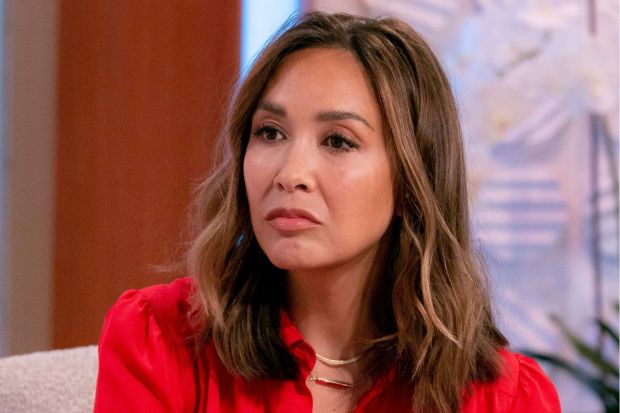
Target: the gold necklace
(333, 383)
(336, 362)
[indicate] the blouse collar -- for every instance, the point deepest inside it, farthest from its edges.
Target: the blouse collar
(289, 333)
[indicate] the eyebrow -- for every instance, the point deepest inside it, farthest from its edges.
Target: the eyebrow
(321, 116)
(273, 108)
(341, 115)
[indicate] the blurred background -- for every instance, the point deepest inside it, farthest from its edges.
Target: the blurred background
(110, 110)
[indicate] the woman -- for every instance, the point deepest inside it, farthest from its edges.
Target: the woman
(332, 267)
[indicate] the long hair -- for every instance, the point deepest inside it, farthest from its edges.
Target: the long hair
(432, 307)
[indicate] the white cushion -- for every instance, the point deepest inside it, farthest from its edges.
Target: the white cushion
(49, 381)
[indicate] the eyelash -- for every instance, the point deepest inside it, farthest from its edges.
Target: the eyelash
(340, 138)
(262, 130)
(334, 136)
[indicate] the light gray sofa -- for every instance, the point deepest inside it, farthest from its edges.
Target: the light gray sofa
(49, 381)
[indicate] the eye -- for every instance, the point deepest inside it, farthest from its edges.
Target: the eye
(268, 133)
(338, 143)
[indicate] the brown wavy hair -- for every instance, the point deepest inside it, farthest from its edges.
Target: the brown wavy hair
(432, 308)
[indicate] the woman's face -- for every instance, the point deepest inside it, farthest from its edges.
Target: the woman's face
(316, 170)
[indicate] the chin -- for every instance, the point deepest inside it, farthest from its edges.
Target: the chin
(293, 260)
(289, 253)
(288, 262)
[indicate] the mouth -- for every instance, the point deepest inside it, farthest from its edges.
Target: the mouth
(291, 219)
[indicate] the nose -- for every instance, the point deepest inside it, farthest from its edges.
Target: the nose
(295, 169)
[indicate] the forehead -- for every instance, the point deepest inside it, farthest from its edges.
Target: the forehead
(323, 78)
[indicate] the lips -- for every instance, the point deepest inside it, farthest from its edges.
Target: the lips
(291, 219)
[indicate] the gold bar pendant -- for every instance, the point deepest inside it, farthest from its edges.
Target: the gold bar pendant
(336, 384)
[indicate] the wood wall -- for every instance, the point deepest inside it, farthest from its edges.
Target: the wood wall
(142, 90)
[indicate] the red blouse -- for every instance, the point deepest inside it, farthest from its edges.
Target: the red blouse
(145, 366)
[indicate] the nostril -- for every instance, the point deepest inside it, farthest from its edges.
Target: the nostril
(292, 180)
(284, 186)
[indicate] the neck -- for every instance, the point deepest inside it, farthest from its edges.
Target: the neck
(330, 306)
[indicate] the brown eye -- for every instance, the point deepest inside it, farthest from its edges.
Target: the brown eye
(267, 133)
(338, 142)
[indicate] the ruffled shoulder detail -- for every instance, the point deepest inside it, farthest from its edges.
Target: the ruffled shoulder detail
(523, 387)
(534, 390)
(142, 358)
(170, 306)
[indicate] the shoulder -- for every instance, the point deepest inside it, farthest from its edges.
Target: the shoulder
(522, 387)
(169, 302)
(161, 308)
(145, 362)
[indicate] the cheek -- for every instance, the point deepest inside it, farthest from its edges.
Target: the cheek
(254, 176)
(365, 202)
(254, 169)
(376, 205)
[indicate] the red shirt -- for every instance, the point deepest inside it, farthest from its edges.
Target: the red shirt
(145, 366)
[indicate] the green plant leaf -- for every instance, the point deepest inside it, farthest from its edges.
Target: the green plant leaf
(606, 393)
(608, 329)
(589, 353)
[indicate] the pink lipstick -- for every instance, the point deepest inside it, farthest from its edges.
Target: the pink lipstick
(291, 219)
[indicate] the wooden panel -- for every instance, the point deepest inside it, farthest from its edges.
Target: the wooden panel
(141, 94)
